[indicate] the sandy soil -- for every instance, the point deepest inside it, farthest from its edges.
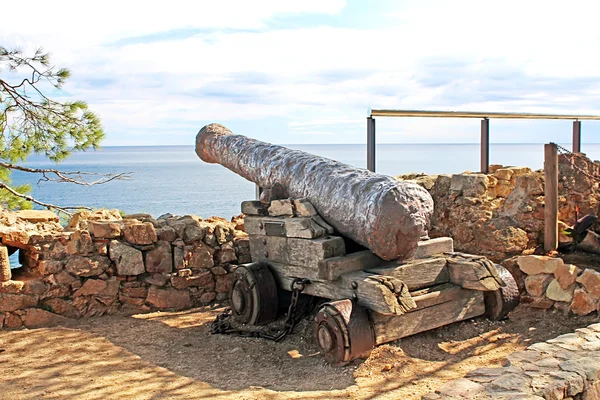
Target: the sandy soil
(172, 355)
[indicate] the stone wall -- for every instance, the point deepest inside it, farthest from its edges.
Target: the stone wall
(566, 367)
(549, 282)
(103, 263)
(502, 213)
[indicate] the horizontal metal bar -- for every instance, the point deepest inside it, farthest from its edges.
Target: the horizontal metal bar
(471, 114)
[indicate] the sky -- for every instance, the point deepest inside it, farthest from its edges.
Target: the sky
(307, 71)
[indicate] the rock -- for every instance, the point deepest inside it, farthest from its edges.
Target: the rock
(471, 185)
(160, 259)
(583, 303)
(218, 270)
(566, 274)
(223, 232)
(128, 260)
(591, 243)
(201, 258)
(18, 239)
(536, 285)
(49, 267)
(169, 298)
(12, 287)
(101, 247)
(105, 229)
(590, 279)
(91, 287)
(139, 233)
(166, 234)
(12, 321)
(588, 367)
(36, 216)
(203, 279)
(37, 318)
(35, 286)
(509, 240)
(207, 297)
(194, 231)
(281, 208)
(87, 266)
(157, 279)
(304, 208)
(253, 207)
(534, 265)
(140, 292)
(223, 283)
(461, 389)
(13, 302)
(80, 243)
(225, 255)
(61, 307)
(132, 301)
(503, 174)
(64, 278)
(557, 293)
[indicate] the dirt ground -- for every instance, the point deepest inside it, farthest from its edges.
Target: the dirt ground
(172, 355)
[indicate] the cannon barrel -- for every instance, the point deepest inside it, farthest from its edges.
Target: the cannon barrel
(383, 214)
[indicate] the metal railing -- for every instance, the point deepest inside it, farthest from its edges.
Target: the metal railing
(485, 127)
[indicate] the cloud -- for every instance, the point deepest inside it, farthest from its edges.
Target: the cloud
(154, 71)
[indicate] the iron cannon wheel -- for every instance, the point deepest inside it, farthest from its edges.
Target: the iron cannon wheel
(500, 302)
(253, 295)
(343, 332)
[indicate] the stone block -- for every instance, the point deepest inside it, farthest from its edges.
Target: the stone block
(160, 259)
(37, 318)
(36, 216)
(590, 279)
(201, 257)
(13, 302)
(225, 255)
(61, 307)
(281, 208)
(12, 287)
(304, 208)
(253, 207)
(105, 229)
(36, 286)
(87, 266)
(536, 285)
(169, 298)
(194, 231)
(157, 279)
(223, 283)
(91, 287)
(128, 260)
(49, 267)
(582, 303)
(470, 185)
(461, 389)
(534, 265)
(203, 279)
(302, 252)
(207, 297)
(12, 321)
(138, 292)
(557, 293)
(588, 367)
(566, 274)
(16, 239)
(139, 233)
(80, 243)
(167, 234)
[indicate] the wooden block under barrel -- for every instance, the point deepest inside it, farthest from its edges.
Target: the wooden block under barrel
(291, 227)
(416, 274)
(331, 268)
(430, 247)
(435, 307)
(294, 251)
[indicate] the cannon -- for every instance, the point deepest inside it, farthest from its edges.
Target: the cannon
(354, 239)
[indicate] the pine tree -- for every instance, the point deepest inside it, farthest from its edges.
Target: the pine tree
(33, 122)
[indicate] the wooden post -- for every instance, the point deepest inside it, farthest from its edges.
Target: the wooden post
(371, 144)
(485, 146)
(551, 197)
(5, 272)
(576, 136)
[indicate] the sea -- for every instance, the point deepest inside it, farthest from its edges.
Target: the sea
(172, 179)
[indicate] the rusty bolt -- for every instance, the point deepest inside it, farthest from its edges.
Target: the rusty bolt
(261, 226)
(266, 254)
(354, 285)
(265, 241)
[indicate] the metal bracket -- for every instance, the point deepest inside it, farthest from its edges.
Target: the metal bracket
(275, 228)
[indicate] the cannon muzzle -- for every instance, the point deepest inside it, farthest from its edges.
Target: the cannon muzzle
(383, 214)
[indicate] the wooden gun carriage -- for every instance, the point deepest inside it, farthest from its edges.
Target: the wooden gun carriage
(353, 237)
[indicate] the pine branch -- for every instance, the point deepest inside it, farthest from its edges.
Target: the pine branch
(67, 176)
(49, 206)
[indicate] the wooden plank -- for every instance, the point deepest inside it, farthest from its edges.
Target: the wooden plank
(473, 272)
(296, 227)
(368, 289)
(550, 197)
(463, 304)
(331, 268)
(294, 251)
(416, 274)
(431, 247)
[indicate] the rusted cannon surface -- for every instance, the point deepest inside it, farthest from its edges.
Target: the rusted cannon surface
(386, 216)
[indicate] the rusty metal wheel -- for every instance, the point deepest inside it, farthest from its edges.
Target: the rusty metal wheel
(500, 302)
(253, 295)
(343, 332)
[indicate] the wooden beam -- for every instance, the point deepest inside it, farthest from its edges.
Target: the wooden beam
(445, 307)
(551, 197)
(416, 274)
(331, 268)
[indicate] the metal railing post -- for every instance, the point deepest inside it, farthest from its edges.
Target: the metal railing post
(485, 146)
(577, 136)
(371, 144)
